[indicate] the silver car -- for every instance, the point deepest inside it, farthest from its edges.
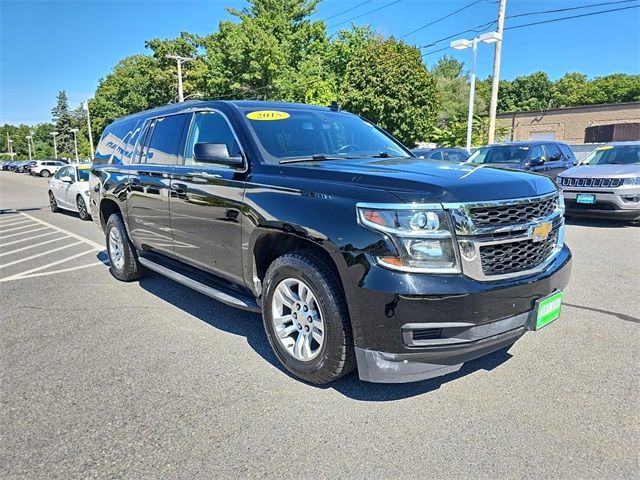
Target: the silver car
(605, 184)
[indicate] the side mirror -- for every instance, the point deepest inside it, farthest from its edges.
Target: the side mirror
(536, 162)
(66, 179)
(214, 153)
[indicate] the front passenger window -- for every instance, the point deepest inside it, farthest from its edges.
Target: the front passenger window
(210, 127)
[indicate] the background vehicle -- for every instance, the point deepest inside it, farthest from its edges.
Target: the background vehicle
(344, 241)
(8, 166)
(46, 168)
(19, 166)
(69, 190)
(605, 184)
(545, 157)
(27, 167)
(448, 154)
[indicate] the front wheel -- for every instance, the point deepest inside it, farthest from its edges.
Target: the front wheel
(122, 255)
(306, 318)
(52, 203)
(45, 173)
(83, 213)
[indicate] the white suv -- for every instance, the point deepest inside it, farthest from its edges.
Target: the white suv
(46, 168)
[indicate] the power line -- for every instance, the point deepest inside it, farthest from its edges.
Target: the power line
(435, 51)
(484, 26)
(599, 4)
(366, 13)
(347, 10)
(445, 17)
(571, 17)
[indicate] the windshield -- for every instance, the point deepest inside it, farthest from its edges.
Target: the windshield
(499, 154)
(288, 134)
(83, 174)
(614, 155)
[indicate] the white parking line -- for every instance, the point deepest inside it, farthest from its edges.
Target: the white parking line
(31, 246)
(95, 245)
(41, 274)
(10, 217)
(31, 224)
(14, 222)
(26, 239)
(48, 252)
(37, 269)
(23, 233)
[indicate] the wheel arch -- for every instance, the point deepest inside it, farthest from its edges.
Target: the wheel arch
(107, 208)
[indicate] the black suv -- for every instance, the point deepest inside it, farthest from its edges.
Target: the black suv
(544, 157)
(357, 253)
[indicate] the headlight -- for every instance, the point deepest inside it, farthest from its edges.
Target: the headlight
(631, 181)
(561, 201)
(423, 238)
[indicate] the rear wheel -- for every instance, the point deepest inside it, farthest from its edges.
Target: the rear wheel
(306, 318)
(45, 173)
(52, 203)
(83, 213)
(122, 254)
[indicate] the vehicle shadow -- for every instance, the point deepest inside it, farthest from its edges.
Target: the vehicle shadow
(249, 325)
(599, 222)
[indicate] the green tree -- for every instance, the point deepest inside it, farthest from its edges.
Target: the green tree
(64, 122)
(527, 92)
(569, 90)
(389, 84)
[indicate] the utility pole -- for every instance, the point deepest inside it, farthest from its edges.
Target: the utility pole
(495, 79)
(179, 61)
(55, 145)
(75, 141)
(85, 107)
(28, 137)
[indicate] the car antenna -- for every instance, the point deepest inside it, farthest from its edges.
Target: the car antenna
(334, 106)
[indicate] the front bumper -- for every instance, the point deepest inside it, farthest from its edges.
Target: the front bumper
(614, 203)
(460, 319)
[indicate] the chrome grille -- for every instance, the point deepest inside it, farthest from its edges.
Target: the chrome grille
(515, 257)
(513, 214)
(592, 182)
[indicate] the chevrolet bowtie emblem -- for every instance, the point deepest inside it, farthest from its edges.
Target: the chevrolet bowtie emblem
(540, 232)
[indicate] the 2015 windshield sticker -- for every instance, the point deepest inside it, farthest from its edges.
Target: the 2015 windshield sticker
(605, 147)
(267, 115)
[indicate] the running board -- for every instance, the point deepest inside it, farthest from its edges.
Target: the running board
(224, 295)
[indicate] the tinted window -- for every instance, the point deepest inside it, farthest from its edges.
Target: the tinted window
(112, 139)
(59, 173)
(553, 152)
(566, 150)
(83, 174)
(537, 152)
(436, 156)
(454, 156)
(210, 127)
(500, 154)
(165, 140)
(302, 133)
(614, 155)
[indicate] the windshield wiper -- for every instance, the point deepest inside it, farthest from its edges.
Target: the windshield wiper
(316, 157)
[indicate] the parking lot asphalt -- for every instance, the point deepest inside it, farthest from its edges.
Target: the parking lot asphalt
(103, 379)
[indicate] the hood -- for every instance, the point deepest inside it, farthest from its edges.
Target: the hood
(599, 171)
(420, 180)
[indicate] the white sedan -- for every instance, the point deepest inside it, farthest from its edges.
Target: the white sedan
(69, 190)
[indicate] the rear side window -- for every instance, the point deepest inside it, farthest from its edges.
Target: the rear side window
(436, 156)
(566, 150)
(553, 152)
(165, 140)
(111, 142)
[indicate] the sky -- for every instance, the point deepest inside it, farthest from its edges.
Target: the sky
(50, 45)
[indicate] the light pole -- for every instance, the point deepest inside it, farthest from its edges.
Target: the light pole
(10, 146)
(28, 137)
(55, 145)
(179, 61)
(75, 141)
(85, 107)
(490, 37)
(495, 78)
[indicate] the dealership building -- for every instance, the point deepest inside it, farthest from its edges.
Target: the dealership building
(576, 125)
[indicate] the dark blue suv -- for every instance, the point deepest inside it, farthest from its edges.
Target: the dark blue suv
(545, 157)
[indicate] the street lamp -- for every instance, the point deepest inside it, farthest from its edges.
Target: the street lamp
(461, 44)
(10, 146)
(29, 137)
(75, 141)
(55, 145)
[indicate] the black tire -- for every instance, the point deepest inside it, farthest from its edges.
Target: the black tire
(130, 268)
(337, 356)
(45, 173)
(83, 213)
(52, 203)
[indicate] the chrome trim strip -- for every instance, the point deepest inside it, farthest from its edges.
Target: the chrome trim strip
(400, 206)
(498, 203)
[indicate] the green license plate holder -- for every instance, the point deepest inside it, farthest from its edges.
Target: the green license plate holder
(585, 198)
(547, 310)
